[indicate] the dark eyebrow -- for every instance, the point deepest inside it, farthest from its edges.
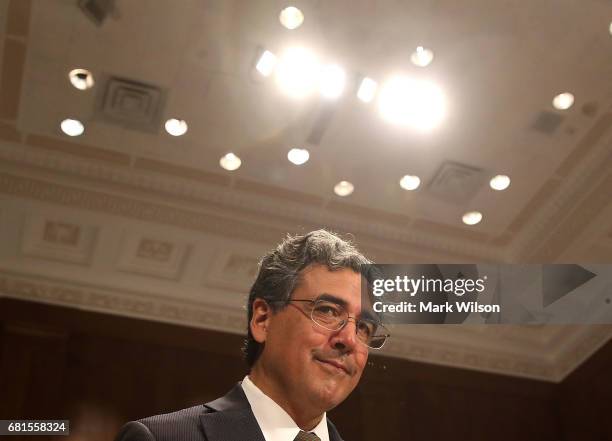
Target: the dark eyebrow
(332, 298)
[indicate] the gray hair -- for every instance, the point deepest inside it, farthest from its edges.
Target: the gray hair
(280, 273)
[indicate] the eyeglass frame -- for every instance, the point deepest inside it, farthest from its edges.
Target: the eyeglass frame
(348, 318)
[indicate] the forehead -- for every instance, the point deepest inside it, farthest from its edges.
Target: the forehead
(343, 284)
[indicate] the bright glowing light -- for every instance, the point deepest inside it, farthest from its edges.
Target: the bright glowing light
(297, 72)
(176, 127)
(421, 56)
(563, 101)
(414, 103)
(472, 217)
(82, 79)
(291, 17)
(343, 188)
(610, 28)
(500, 182)
(230, 162)
(367, 90)
(266, 63)
(332, 81)
(410, 182)
(72, 127)
(298, 156)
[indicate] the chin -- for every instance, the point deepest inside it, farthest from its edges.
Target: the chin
(330, 394)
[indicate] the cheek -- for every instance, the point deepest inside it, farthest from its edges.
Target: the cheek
(361, 359)
(310, 336)
(299, 341)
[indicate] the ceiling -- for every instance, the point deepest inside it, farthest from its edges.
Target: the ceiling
(129, 220)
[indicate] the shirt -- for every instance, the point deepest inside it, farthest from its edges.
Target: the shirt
(274, 422)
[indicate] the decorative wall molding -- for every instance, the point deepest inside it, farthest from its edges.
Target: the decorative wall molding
(170, 310)
(471, 358)
(151, 255)
(260, 208)
(58, 239)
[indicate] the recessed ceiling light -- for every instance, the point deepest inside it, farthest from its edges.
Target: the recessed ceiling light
(82, 79)
(472, 217)
(343, 188)
(266, 63)
(410, 102)
(230, 162)
(291, 17)
(500, 182)
(563, 101)
(332, 81)
(421, 57)
(367, 90)
(72, 127)
(298, 156)
(176, 127)
(410, 182)
(297, 72)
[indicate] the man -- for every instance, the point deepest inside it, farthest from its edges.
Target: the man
(307, 344)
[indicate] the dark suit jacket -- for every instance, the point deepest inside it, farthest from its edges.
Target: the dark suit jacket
(228, 418)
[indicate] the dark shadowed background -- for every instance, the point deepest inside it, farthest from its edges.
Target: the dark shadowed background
(99, 371)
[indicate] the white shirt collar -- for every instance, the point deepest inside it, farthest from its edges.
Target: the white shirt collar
(274, 422)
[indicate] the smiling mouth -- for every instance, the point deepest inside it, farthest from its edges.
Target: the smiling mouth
(334, 365)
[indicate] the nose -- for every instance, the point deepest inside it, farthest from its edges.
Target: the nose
(345, 339)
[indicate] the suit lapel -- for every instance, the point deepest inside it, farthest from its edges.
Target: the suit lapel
(333, 432)
(231, 425)
(231, 419)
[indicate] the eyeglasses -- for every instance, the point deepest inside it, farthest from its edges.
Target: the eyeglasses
(334, 317)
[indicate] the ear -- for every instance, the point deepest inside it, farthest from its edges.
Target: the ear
(260, 320)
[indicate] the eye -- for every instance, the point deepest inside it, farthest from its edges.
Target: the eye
(366, 328)
(327, 310)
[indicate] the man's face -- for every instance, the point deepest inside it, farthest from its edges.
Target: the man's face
(309, 363)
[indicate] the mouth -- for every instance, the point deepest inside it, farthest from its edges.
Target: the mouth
(335, 365)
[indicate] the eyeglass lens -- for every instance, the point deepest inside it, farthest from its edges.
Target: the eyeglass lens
(333, 317)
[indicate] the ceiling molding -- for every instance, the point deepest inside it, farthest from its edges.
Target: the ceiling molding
(471, 358)
(572, 189)
(129, 304)
(124, 180)
(587, 341)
